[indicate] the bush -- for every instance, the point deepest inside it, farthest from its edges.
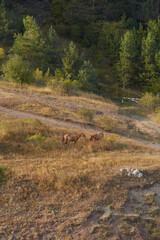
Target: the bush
(61, 84)
(149, 102)
(86, 114)
(37, 140)
(16, 130)
(4, 172)
(106, 123)
(17, 70)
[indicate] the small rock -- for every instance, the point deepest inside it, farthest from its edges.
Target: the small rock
(135, 172)
(128, 169)
(140, 175)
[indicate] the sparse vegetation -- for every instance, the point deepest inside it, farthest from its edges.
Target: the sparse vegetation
(149, 102)
(4, 173)
(37, 140)
(86, 114)
(108, 124)
(59, 177)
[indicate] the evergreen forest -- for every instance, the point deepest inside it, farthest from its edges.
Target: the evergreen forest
(93, 45)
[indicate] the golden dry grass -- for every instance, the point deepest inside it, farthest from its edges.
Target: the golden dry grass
(34, 99)
(59, 191)
(57, 181)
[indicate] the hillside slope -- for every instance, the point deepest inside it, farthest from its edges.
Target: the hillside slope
(52, 190)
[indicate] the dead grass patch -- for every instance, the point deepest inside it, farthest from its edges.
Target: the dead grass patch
(60, 190)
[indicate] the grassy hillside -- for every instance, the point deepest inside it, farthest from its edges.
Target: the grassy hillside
(53, 190)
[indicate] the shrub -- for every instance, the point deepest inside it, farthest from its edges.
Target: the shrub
(18, 129)
(4, 172)
(15, 69)
(37, 140)
(38, 75)
(111, 139)
(106, 123)
(62, 84)
(149, 102)
(86, 114)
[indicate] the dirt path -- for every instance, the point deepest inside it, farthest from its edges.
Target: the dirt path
(50, 121)
(146, 122)
(71, 125)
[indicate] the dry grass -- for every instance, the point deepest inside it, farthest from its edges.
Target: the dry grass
(47, 102)
(57, 181)
(53, 190)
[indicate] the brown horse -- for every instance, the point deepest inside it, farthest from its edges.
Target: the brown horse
(72, 138)
(97, 137)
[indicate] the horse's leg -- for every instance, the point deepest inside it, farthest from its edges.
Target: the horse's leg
(76, 141)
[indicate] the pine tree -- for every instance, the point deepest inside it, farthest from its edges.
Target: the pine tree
(31, 44)
(71, 62)
(127, 65)
(52, 49)
(87, 77)
(39, 49)
(149, 49)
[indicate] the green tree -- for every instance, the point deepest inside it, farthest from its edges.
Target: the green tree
(42, 50)
(17, 70)
(110, 35)
(57, 8)
(52, 50)
(31, 44)
(72, 62)
(149, 49)
(127, 65)
(87, 77)
(148, 10)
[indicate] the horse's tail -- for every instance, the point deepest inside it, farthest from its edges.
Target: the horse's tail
(63, 139)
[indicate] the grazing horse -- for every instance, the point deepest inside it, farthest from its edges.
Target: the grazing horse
(72, 138)
(97, 137)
